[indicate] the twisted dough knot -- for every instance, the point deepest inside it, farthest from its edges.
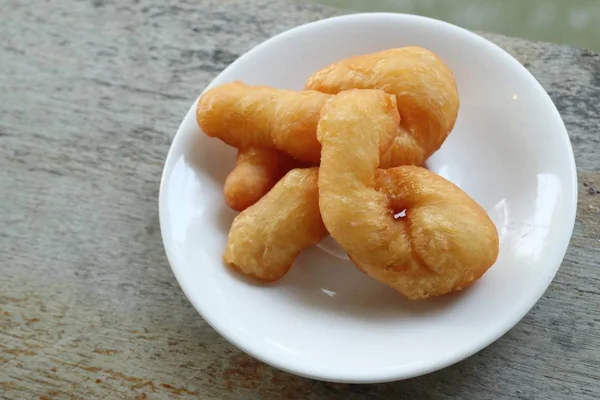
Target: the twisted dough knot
(250, 117)
(425, 90)
(382, 110)
(444, 242)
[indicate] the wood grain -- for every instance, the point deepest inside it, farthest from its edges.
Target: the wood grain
(90, 95)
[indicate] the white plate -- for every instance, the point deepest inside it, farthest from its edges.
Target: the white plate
(509, 150)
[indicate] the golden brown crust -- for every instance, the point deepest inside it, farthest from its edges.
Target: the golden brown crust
(379, 110)
(256, 171)
(265, 239)
(443, 243)
(258, 116)
(425, 91)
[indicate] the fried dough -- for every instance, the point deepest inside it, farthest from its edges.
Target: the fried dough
(425, 90)
(258, 116)
(443, 243)
(256, 171)
(265, 239)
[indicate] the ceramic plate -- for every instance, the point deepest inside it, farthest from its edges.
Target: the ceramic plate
(325, 320)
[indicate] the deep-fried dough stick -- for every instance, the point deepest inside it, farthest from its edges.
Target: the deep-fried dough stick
(266, 238)
(443, 243)
(256, 171)
(425, 91)
(423, 83)
(267, 119)
(266, 251)
(258, 116)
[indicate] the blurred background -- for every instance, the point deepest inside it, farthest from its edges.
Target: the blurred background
(574, 22)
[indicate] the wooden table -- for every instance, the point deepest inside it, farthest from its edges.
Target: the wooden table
(91, 93)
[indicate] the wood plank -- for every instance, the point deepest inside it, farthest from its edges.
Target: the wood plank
(91, 93)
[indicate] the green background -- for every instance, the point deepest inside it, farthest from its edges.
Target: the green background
(574, 22)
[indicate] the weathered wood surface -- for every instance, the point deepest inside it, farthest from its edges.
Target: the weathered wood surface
(90, 95)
